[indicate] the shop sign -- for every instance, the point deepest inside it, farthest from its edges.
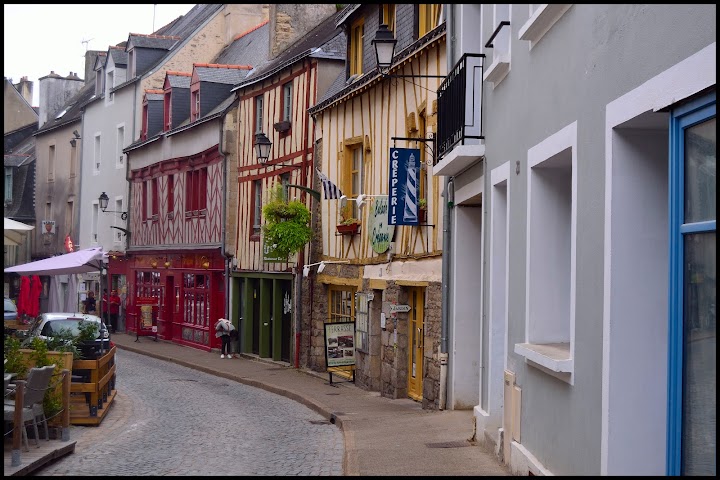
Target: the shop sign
(381, 233)
(339, 344)
(404, 186)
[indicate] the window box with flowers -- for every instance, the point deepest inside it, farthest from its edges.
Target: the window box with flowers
(348, 225)
(422, 211)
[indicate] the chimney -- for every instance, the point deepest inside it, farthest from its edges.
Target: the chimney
(289, 22)
(90, 57)
(25, 87)
(55, 91)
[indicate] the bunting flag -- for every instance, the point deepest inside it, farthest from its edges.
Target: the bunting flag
(331, 190)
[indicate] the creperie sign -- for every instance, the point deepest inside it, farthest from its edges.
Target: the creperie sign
(394, 166)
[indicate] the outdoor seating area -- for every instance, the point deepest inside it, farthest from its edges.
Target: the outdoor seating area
(23, 402)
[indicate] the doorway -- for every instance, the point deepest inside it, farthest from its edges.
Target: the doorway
(416, 335)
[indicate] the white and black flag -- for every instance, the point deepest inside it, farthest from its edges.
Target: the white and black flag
(331, 190)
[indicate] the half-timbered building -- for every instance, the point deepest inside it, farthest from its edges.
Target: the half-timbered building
(307, 51)
(383, 277)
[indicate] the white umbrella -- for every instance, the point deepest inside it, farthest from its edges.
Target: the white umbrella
(14, 231)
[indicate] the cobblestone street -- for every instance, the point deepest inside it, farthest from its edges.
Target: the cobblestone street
(171, 420)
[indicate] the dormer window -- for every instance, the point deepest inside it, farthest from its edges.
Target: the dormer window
(196, 104)
(387, 13)
(110, 84)
(131, 63)
(145, 112)
(357, 33)
(429, 15)
(99, 77)
(167, 108)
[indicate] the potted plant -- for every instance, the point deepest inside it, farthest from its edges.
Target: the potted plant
(348, 225)
(422, 211)
(287, 223)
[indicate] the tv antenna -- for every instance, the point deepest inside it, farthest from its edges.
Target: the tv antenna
(86, 42)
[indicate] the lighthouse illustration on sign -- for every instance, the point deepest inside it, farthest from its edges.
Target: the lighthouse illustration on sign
(403, 188)
(410, 211)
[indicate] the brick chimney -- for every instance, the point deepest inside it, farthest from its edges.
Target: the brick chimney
(289, 22)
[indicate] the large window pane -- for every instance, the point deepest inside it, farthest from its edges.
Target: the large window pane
(699, 371)
(700, 148)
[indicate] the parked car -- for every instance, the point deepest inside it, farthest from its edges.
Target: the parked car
(10, 310)
(47, 324)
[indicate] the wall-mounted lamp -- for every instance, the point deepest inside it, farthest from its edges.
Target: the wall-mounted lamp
(262, 150)
(103, 199)
(321, 266)
(167, 263)
(153, 263)
(73, 142)
(204, 262)
(384, 43)
(76, 134)
(360, 199)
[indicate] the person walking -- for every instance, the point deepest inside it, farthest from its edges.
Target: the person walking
(90, 303)
(114, 309)
(223, 327)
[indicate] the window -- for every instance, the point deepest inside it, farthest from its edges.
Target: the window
(551, 201)
(94, 226)
(119, 146)
(287, 102)
(8, 184)
(353, 178)
(110, 85)
(257, 210)
(499, 43)
(118, 220)
(197, 299)
(167, 109)
(99, 76)
(145, 113)
(144, 200)
(196, 105)
(387, 15)
(285, 181)
(202, 189)
(259, 114)
(357, 34)
(97, 152)
(693, 288)
(362, 322)
(189, 192)
(171, 193)
(131, 62)
(73, 159)
(69, 216)
(428, 17)
(341, 307)
(51, 164)
(196, 190)
(155, 199)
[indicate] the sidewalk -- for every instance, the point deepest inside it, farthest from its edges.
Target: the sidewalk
(382, 436)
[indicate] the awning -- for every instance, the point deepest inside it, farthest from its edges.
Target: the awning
(15, 231)
(82, 261)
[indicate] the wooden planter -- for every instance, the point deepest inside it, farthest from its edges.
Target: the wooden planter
(93, 389)
(351, 229)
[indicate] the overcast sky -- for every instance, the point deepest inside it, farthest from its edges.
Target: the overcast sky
(44, 38)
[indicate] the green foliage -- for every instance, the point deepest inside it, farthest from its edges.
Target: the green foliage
(422, 203)
(39, 354)
(13, 358)
(88, 331)
(64, 341)
(287, 223)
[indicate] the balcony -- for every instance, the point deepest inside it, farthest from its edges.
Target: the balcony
(460, 116)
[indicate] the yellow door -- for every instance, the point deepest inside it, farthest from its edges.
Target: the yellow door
(416, 334)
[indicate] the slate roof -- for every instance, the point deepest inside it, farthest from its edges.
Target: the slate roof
(179, 81)
(15, 159)
(346, 12)
(74, 109)
(22, 206)
(327, 36)
(119, 56)
(249, 48)
(226, 74)
(153, 41)
(153, 95)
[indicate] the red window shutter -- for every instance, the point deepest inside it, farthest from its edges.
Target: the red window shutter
(171, 193)
(155, 197)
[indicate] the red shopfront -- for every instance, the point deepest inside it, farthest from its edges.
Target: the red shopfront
(190, 292)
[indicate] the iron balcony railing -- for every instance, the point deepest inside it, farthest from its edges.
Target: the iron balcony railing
(460, 104)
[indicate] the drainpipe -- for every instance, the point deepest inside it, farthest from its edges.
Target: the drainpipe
(449, 196)
(223, 252)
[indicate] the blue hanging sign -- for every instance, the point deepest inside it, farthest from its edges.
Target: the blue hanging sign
(404, 186)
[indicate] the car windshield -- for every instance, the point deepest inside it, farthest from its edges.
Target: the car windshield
(54, 326)
(10, 306)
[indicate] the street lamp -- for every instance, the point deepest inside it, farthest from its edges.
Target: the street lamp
(384, 43)
(103, 199)
(262, 150)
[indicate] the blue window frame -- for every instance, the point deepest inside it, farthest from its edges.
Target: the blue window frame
(692, 396)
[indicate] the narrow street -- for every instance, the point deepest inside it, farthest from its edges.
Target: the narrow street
(171, 420)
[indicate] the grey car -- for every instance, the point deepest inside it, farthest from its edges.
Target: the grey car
(46, 324)
(10, 310)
